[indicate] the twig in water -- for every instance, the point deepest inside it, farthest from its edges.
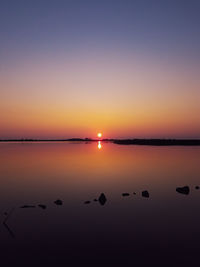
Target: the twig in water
(5, 223)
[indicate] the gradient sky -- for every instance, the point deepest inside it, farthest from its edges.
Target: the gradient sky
(76, 67)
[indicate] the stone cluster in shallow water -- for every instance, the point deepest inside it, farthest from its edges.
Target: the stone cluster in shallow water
(184, 190)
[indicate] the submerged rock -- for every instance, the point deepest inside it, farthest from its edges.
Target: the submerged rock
(58, 202)
(102, 199)
(197, 187)
(134, 193)
(125, 194)
(87, 202)
(42, 206)
(183, 190)
(27, 206)
(145, 193)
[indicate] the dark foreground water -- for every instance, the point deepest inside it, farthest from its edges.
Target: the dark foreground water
(162, 230)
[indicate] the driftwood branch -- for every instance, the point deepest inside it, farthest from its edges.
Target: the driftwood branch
(6, 225)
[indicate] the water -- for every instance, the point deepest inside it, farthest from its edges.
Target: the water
(163, 229)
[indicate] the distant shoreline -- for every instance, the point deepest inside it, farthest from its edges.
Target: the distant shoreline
(49, 140)
(159, 142)
(146, 142)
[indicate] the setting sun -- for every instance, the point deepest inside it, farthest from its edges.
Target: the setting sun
(99, 135)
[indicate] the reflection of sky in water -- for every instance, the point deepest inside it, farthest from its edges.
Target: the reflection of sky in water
(40, 173)
(44, 169)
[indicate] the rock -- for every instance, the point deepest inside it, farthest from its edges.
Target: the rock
(42, 206)
(102, 199)
(27, 206)
(134, 193)
(183, 190)
(197, 187)
(145, 193)
(125, 194)
(58, 202)
(87, 202)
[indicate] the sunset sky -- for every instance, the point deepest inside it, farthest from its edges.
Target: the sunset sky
(126, 68)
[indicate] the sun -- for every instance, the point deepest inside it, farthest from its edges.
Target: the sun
(99, 135)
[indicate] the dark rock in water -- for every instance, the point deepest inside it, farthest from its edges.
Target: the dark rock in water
(87, 202)
(42, 206)
(145, 193)
(27, 206)
(5, 213)
(102, 199)
(58, 202)
(183, 190)
(95, 199)
(134, 193)
(125, 194)
(197, 187)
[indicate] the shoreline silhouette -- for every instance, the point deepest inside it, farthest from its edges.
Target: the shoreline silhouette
(159, 142)
(146, 142)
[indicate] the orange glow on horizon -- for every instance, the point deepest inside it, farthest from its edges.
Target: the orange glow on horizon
(160, 105)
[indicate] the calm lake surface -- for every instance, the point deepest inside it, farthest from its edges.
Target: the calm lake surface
(163, 230)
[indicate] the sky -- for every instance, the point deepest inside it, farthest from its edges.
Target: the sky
(74, 68)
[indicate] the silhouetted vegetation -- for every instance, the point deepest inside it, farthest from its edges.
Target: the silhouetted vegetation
(146, 142)
(158, 142)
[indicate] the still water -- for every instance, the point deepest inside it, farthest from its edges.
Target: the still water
(162, 230)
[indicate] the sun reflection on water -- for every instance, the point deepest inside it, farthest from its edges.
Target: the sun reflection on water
(99, 145)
